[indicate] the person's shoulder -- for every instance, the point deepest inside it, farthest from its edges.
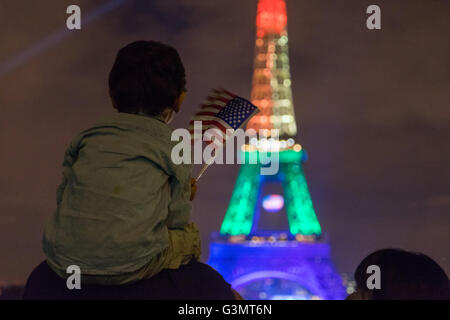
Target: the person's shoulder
(203, 268)
(130, 120)
(208, 282)
(133, 128)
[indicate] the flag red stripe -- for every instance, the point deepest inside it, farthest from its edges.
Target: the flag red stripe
(222, 91)
(215, 106)
(205, 113)
(212, 122)
(225, 100)
(229, 93)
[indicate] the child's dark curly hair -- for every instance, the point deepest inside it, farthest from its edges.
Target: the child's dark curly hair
(147, 77)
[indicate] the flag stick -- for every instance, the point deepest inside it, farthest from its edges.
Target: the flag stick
(205, 166)
(203, 170)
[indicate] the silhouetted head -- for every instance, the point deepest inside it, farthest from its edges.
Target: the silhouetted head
(147, 78)
(403, 276)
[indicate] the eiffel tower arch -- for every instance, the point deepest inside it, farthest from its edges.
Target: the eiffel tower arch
(270, 245)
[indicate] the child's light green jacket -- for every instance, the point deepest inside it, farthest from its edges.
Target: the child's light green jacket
(120, 192)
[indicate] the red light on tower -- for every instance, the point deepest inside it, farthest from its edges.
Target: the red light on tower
(271, 17)
(271, 90)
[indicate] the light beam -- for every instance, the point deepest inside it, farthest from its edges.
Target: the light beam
(54, 38)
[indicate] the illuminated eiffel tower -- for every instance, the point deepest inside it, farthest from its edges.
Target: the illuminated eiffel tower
(270, 244)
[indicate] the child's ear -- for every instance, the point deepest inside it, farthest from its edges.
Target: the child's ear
(179, 101)
(112, 101)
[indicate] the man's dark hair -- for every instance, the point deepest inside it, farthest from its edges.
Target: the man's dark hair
(146, 77)
(404, 276)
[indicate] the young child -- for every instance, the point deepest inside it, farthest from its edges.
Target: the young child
(123, 207)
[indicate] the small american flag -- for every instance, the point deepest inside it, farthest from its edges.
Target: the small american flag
(222, 110)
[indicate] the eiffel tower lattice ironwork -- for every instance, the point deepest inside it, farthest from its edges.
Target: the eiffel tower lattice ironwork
(293, 261)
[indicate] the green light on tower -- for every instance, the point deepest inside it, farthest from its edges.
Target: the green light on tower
(239, 217)
(301, 215)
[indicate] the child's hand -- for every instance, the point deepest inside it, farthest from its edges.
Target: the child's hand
(193, 188)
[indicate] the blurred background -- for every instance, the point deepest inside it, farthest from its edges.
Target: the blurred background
(372, 109)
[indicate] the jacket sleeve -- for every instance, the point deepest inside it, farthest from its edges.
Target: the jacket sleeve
(180, 205)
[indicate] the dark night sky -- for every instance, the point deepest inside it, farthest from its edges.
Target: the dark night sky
(372, 107)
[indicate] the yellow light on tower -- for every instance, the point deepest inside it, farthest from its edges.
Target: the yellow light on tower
(297, 148)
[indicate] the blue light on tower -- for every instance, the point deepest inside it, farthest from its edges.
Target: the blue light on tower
(277, 268)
